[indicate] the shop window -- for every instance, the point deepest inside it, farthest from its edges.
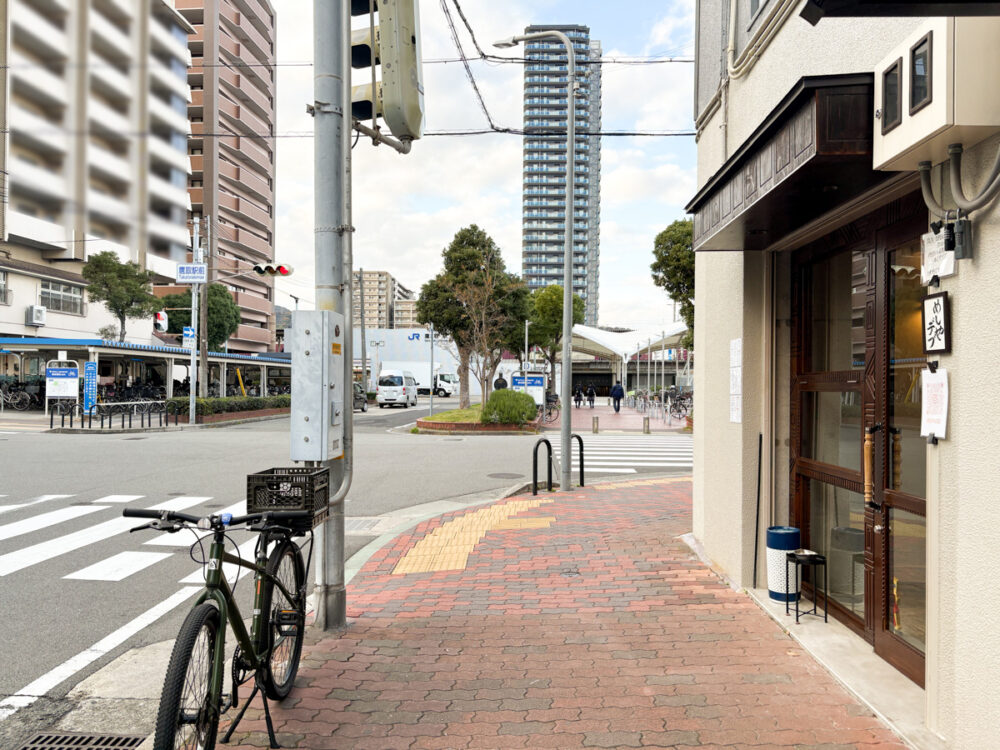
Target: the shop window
(836, 314)
(907, 600)
(920, 73)
(832, 428)
(59, 297)
(892, 96)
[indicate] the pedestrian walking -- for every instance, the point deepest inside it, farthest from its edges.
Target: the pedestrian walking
(617, 394)
(578, 396)
(591, 394)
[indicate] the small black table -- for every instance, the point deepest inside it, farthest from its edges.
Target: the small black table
(805, 557)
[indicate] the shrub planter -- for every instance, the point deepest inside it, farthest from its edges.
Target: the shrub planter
(232, 416)
(431, 426)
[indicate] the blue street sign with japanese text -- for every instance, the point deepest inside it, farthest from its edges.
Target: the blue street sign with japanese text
(192, 273)
(89, 385)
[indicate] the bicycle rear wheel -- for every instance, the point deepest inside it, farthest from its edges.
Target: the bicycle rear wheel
(284, 627)
(20, 400)
(552, 414)
(188, 718)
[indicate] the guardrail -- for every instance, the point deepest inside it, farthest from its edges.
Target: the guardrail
(107, 412)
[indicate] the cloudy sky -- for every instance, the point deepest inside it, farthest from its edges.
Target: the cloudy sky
(407, 208)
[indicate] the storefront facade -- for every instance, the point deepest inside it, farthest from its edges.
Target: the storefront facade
(810, 338)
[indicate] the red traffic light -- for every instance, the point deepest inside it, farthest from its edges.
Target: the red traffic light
(273, 269)
(160, 321)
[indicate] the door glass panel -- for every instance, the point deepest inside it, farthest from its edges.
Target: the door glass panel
(907, 576)
(907, 450)
(837, 313)
(832, 423)
(837, 530)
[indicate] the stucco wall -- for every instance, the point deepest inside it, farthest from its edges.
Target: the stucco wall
(963, 500)
(718, 443)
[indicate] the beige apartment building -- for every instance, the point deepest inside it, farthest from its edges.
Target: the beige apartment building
(381, 294)
(404, 314)
(232, 115)
(94, 104)
(836, 326)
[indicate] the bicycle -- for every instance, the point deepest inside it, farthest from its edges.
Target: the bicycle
(549, 412)
(192, 700)
(15, 398)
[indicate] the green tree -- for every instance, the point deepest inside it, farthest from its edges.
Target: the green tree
(473, 301)
(547, 321)
(223, 314)
(124, 288)
(673, 269)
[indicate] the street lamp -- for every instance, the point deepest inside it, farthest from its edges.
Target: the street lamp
(526, 324)
(565, 450)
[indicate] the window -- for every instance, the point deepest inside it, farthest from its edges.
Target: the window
(4, 291)
(60, 297)
(920, 73)
(892, 96)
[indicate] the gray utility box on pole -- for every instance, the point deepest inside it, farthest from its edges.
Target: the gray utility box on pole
(317, 429)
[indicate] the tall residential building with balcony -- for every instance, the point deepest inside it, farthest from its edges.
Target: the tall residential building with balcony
(545, 150)
(404, 313)
(232, 115)
(94, 102)
(381, 291)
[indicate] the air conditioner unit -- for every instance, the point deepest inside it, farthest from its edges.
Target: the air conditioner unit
(937, 88)
(34, 315)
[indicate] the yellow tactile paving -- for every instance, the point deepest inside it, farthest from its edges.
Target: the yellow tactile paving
(448, 546)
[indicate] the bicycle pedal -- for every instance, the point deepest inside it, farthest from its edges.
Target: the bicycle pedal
(288, 621)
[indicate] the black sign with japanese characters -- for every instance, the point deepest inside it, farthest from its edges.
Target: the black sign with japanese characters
(936, 320)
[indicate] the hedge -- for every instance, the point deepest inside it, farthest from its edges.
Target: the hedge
(205, 406)
(508, 407)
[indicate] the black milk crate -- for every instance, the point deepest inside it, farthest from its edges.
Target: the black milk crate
(293, 488)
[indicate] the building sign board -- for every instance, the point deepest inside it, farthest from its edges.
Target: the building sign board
(934, 403)
(89, 385)
(533, 385)
(934, 259)
(192, 273)
(62, 382)
(936, 323)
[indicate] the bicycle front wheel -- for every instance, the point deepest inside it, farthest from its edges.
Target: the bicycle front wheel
(20, 401)
(552, 415)
(284, 627)
(188, 718)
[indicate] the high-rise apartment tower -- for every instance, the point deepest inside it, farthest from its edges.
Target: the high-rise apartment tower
(94, 100)
(545, 149)
(232, 151)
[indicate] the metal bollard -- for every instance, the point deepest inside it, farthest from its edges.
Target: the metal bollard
(645, 425)
(595, 426)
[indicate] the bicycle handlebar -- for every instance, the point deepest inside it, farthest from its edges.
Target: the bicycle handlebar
(169, 515)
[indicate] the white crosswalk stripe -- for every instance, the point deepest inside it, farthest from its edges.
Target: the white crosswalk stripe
(627, 454)
(36, 501)
(119, 498)
(118, 567)
(43, 551)
(43, 521)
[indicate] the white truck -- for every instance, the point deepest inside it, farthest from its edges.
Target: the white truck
(444, 383)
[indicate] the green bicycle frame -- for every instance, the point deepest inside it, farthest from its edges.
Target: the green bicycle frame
(217, 588)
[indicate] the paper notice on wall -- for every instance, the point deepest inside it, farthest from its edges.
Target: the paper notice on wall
(934, 403)
(736, 380)
(934, 259)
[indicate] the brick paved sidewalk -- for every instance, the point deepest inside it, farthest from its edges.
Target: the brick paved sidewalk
(562, 621)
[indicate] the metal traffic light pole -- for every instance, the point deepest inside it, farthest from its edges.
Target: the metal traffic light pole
(331, 111)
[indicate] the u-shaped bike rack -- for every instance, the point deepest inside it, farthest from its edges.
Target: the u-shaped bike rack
(548, 448)
(534, 465)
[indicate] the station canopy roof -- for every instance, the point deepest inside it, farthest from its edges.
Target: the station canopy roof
(19, 344)
(597, 342)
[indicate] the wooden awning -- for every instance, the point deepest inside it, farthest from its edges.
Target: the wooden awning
(812, 153)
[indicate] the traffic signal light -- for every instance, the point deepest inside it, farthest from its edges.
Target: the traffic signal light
(399, 95)
(273, 269)
(160, 321)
